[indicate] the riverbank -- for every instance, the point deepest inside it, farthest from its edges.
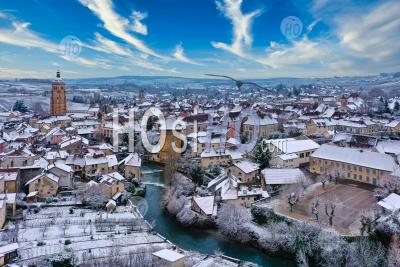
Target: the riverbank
(303, 242)
(205, 241)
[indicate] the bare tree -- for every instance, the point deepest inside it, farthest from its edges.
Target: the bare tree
(292, 200)
(323, 179)
(65, 226)
(368, 221)
(44, 227)
(314, 209)
(330, 211)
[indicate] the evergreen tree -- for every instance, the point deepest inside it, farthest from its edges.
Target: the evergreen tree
(396, 106)
(196, 174)
(261, 155)
(19, 105)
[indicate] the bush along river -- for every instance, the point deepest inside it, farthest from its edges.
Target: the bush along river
(203, 241)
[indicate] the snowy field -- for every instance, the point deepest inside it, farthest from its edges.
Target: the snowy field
(89, 234)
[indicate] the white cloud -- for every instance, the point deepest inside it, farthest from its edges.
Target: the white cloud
(298, 53)
(241, 23)
(180, 56)
(104, 45)
(18, 73)
(318, 4)
(374, 34)
(20, 35)
(138, 26)
(116, 25)
(108, 46)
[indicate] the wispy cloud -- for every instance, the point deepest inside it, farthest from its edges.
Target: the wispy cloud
(19, 73)
(104, 45)
(298, 53)
(374, 34)
(180, 56)
(20, 35)
(138, 26)
(117, 25)
(241, 23)
(108, 46)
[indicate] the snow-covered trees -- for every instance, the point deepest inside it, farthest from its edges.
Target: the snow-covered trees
(232, 222)
(293, 198)
(314, 209)
(388, 184)
(176, 201)
(365, 252)
(394, 252)
(93, 196)
(330, 208)
(368, 222)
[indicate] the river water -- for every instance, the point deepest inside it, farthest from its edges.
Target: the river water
(203, 241)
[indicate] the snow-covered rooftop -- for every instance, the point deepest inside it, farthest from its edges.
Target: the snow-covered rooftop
(356, 156)
(282, 176)
(169, 255)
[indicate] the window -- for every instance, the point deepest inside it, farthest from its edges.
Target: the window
(307, 154)
(355, 176)
(348, 175)
(360, 177)
(360, 168)
(367, 179)
(367, 171)
(301, 155)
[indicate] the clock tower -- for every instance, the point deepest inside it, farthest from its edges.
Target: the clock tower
(58, 102)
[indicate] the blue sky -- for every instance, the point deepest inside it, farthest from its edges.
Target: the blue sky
(242, 38)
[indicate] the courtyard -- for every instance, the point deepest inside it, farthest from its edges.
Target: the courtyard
(350, 201)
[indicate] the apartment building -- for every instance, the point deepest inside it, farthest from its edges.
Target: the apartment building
(291, 152)
(354, 164)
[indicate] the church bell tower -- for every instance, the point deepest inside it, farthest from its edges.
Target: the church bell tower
(58, 103)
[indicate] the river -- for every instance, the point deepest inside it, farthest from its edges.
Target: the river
(203, 241)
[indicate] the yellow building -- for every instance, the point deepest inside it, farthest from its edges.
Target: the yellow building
(167, 150)
(131, 166)
(45, 184)
(291, 152)
(245, 171)
(266, 125)
(58, 101)
(112, 183)
(9, 181)
(393, 126)
(354, 164)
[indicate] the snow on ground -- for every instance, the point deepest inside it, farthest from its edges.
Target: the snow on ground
(91, 235)
(88, 232)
